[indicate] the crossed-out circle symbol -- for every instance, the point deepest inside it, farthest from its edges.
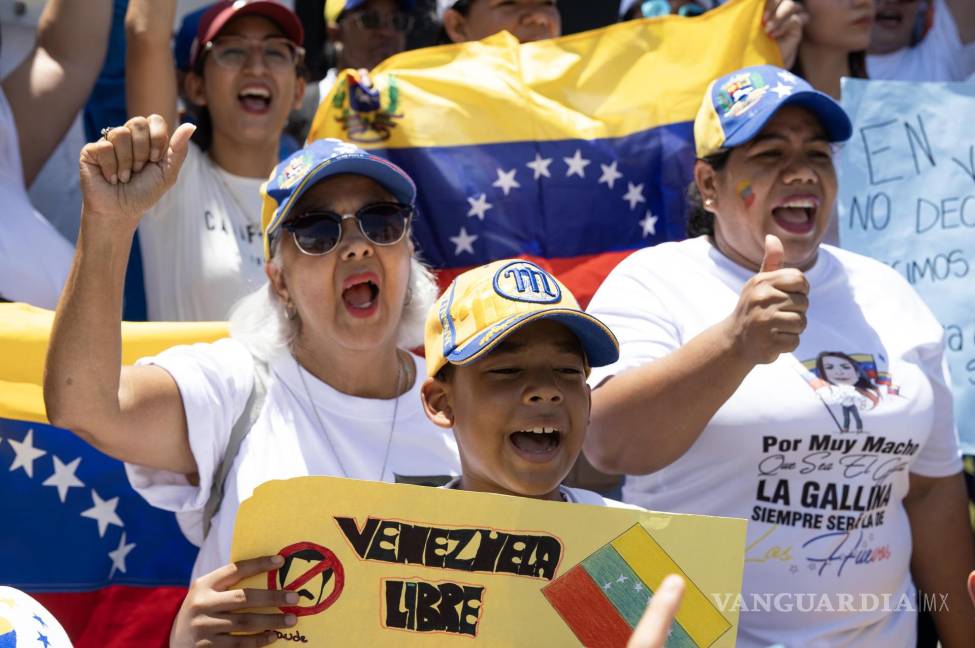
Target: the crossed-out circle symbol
(323, 562)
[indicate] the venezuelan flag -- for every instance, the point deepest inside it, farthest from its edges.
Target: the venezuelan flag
(572, 152)
(111, 568)
(602, 598)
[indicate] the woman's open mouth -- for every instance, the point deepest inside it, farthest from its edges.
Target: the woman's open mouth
(360, 294)
(537, 444)
(255, 99)
(797, 214)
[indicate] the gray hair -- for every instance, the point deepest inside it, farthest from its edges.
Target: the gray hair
(260, 323)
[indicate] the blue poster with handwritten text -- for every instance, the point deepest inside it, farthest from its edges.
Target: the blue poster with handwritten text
(907, 198)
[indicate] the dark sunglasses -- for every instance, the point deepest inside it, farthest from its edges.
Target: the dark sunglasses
(371, 20)
(319, 232)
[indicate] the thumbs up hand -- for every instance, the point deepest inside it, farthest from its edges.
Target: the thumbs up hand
(771, 310)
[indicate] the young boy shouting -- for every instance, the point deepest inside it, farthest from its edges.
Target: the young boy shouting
(508, 351)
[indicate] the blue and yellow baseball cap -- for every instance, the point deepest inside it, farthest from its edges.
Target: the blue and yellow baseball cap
(738, 105)
(334, 8)
(317, 161)
(481, 307)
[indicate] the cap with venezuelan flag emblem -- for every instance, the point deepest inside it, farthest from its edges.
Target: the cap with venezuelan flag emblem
(481, 307)
(334, 8)
(317, 161)
(738, 105)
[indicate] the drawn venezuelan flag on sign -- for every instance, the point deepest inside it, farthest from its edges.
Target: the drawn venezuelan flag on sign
(602, 598)
(572, 152)
(109, 566)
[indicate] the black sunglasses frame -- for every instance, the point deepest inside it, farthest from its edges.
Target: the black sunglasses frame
(295, 225)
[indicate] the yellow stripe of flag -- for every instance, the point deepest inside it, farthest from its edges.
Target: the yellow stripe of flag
(24, 334)
(697, 614)
(610, 82)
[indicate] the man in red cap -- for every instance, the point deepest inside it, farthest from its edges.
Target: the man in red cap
(245, 77)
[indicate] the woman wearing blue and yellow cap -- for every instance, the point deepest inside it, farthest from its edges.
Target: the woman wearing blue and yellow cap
(716, 405)
(314, 379)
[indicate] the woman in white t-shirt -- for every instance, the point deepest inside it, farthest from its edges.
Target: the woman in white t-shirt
(315, 370)
(717, 405)
(201, 243)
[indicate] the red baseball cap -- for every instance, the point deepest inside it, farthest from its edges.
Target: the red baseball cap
(217, 16)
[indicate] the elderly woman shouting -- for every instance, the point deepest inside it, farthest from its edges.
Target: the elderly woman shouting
(315, 367)
(717, 405)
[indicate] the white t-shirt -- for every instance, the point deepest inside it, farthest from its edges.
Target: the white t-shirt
(940, 56)
(573, 496)
(287, 440)
(34, 258)
(775, 452)
(201, 243)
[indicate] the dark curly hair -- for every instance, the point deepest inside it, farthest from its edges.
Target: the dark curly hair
(699, 220)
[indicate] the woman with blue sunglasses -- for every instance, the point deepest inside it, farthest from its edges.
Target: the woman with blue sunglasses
(315, 378)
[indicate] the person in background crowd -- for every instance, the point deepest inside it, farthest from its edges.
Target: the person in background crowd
(904, 48)
(39, 101)
(527, 20)
(715, 407)
(361, 35)
(634, 9)
(314, 380)
(189, 25)
(834, 43)
(201, 244)
(783, 19)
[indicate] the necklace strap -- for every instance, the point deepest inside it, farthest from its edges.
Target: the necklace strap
(324, 430)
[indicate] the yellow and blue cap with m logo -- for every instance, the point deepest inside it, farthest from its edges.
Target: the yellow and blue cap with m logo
(737, 106)
(481, 307)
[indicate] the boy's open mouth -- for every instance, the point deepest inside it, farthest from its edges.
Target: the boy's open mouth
(537, 443)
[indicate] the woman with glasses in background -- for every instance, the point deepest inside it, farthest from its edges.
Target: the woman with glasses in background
(201, 244)
(315, 378)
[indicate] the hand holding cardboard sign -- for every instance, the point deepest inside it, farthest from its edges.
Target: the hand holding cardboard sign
(211, 610)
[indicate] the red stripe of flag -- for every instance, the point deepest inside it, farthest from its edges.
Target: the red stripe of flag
(582, 274)
(586, 610)
(117, 616)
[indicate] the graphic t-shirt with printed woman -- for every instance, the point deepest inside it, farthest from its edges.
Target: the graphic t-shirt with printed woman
(829, 541)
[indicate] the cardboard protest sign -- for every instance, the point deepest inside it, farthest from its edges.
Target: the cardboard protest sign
(383, 564)
(907, 198)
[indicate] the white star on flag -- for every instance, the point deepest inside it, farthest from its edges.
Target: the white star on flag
(118, 556)
(787, 77)
(622, 579)
(25, 454)
(64, 477)
(638, 587)
(540, 166)
(610, 174)
(607, 586)
(479, 206)
(506, 181)
(649, 224)
(463, 242)
(634, 194)
(103, 512)
(577, 165)
(782, 90)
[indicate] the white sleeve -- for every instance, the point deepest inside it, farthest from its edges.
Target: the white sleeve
(940, 456)
(215, 380)
(943, 41)
(635, 313)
